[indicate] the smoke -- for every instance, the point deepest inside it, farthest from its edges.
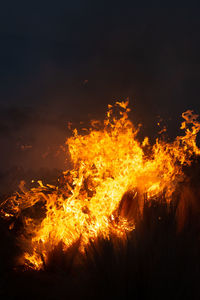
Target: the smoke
(67, 62)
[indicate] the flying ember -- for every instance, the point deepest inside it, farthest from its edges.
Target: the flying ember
(113, 173)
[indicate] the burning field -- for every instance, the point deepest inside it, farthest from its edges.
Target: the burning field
(117, 203)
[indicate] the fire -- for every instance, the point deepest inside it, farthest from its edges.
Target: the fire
(104, 191)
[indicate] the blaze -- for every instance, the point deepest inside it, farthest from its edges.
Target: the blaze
(113, 173)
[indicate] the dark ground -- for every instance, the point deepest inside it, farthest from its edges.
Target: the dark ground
(161, 259)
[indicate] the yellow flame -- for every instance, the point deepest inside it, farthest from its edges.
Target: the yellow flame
(107, 162)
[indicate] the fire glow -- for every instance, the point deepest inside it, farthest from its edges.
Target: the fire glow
(112, 171)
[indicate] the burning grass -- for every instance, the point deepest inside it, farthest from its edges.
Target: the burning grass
(155, 262)
(103, 196)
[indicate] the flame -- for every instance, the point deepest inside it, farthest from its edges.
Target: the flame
(111, 172)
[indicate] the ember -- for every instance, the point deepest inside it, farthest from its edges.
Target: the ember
(104, 193)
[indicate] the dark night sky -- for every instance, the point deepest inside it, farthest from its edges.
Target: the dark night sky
(147, 50)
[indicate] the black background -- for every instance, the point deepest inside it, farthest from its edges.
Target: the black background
(64, 61)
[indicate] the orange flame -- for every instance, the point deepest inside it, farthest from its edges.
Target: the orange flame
(93, 199)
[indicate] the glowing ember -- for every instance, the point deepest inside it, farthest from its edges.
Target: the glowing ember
(104, 192)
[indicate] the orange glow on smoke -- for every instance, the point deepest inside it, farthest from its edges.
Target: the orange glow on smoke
(111, 171)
